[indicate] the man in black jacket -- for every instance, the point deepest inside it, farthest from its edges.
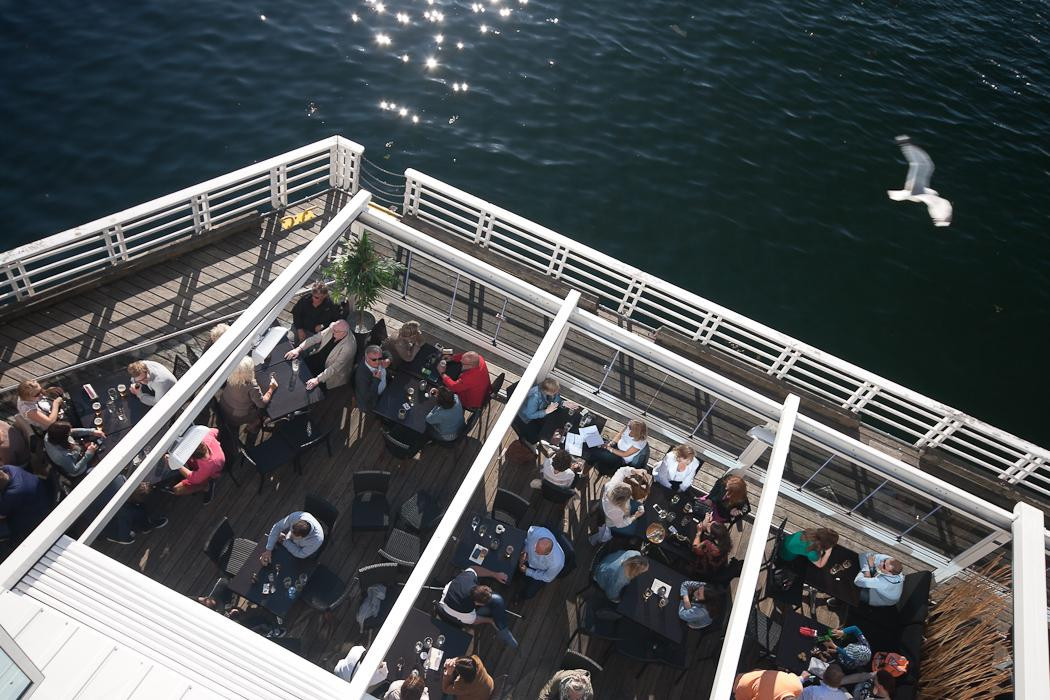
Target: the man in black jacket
(314, 311)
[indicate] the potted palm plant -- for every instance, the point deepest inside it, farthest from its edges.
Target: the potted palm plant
(359, 275)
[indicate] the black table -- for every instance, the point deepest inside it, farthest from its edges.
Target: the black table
(835, 580)
(278, 602)
(424, 364)
(402, 657)
(129, 407)
(290, 396)
(496, 560)
(792, 643)
(648, 613)
(556, 420)
(662, 508)
(394, 397)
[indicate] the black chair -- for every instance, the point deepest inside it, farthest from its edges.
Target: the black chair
(323, 511)
(566, 547)
(596, 617)
(763, 632)
(401, 548)
(268, 456)
(231, 446)
(191, 353)
(599, 553)
(575, 660)
(386, 574)
(558, 495)
(227, 551)
(370, 509)
(509, 508)
(300, 434)
(419, 513)
(497, 384)
(325, 591)
(180, 366)
(378, 334)
(397, 448)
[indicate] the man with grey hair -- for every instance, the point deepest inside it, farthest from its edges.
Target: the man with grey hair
(370, 378)
(574, 684)
(338, 347)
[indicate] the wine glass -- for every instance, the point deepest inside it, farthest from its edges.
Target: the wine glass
(112, 395)
(675, 498)
(509, 552)
(474, 522)
(419, 647)
(428, 642)
(122, 390)
(482, 529)
(647, 594)
(440, 640)
(662, 602)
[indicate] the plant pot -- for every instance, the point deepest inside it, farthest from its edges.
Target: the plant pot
(362, 322)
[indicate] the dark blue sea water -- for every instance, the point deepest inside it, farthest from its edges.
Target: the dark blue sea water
(741, 150)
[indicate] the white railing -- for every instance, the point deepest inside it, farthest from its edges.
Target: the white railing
(107, 243)
(637, 295)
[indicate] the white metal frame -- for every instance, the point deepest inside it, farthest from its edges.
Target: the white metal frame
(1031, 655)
(115, 240)
(636, 294)
(22, 662)
(747, 584)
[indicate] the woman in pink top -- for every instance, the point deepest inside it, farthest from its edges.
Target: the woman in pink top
(203, 467)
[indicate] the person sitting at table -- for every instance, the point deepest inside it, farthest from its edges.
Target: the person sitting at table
(64, 447)
(255, 618)
(880, 579)
(850, 648)
(621, 513)
(345, 667)
(299, 532)
(618, 569)
(404, 346)
(677, 469)
(445, 421)
(559, 469)
(412, 688)
(25, 500)
(150, 381)
(370, 378)
(621, 450)
(879, 685)
(571, 684)
(728, 499)
(241, 401)
(815, 544)
(542, 559)
(767, 685)
(41, 407)
(541, 401)
(712, 546)
(314, 311)
(465, 600)
(473, 384)
(465, 677)
(202, 469)
(700, 603)
(216, 332)
(829, 687)
(336, 351)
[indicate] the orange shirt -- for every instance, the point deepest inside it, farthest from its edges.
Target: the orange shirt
(767, 685)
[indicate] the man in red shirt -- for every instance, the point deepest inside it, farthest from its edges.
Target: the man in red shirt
(203, 468)
(473, 384)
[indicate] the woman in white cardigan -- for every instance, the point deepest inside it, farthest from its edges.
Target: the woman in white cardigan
(677, 469)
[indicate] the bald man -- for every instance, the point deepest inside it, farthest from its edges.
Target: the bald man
(338, 347)
(542, 559)
(473, 384)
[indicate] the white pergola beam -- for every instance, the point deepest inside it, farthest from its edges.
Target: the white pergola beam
(1031, 657)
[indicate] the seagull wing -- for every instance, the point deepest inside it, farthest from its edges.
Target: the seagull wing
(920, 168)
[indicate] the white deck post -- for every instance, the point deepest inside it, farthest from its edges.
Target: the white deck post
(445, 529)
(725, 674)
(1031, 656)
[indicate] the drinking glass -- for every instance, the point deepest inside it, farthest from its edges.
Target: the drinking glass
(97, 407)
(846, 564)
(509, 552)
(419, 647)
(112, 395)
(427, 643)
(302, 580)
(482, 530)
(287, 581)
(440, 640)
(675, 498)
(662, 602)
(423, 387)
(122, 390)
(647, 594)
(271, 577)
(98, 422)
(295, 366)
(121, 416)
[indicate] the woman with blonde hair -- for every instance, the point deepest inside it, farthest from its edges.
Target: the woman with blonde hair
(677, 469)
(541, 401)
(41, 407)
(621, 512)
(618, 569)
(242, 401)
(217, 332)
(627, 448)
(404, 347)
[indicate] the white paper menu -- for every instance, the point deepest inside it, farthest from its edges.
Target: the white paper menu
(591, 436)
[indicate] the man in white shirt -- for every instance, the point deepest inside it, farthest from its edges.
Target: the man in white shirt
(828, 689)
(300, 533)
(150, 380)
(542, 559)
(559, 469)
(346, 666)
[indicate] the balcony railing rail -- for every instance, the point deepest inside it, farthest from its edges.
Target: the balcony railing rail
(637, 295)
(113, 241)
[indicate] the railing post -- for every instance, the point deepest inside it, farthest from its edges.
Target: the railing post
(499, 320)
(707, 328)
(279, 186)
(408, 271)
(483, 232)
(353, 162)
(762, 437)
(412, 194)
(1020, 469)
(975, 553)
(630, 297)
(201, 213)
(1031, 671)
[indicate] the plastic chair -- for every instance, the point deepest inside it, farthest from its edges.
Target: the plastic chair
(419, 513)
(509, 508)
(378, 334)
(227, 551)
(385, 573)
(325, 591)
(401, 548)
(268, 456)
(323, 511)
(370, 509)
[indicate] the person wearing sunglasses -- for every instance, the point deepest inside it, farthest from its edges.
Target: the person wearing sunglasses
(314, 312)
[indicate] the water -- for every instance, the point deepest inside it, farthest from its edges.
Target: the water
(741, 150)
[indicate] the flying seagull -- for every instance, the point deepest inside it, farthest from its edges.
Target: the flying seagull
(917, 187)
